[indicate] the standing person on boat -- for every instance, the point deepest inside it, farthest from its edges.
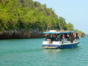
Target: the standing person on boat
(72, 38)
(66, 37)
(63, 37)
(47, 37)
(77, 36)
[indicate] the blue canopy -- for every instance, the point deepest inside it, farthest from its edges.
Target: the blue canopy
(60, 32)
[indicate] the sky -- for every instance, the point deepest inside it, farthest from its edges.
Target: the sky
(74, 11)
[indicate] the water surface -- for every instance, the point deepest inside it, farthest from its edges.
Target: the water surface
(28, 52)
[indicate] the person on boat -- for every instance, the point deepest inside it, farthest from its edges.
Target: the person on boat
(77, 36)
(72, 38)
(54, 38)
(58, 37)
(63, 37)
(47, 36)
(68, 37)
(51, 37)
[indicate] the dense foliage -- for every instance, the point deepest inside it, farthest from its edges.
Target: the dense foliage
(70, 26)
(29, 14)
(26, 14)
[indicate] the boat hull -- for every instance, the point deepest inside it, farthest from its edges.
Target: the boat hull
(63, 46)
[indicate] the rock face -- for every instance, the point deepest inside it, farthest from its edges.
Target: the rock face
(21, 34)
(25, 34)
(83, 35)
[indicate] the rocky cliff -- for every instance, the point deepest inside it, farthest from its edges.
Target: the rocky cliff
(21, 34)
(82, 34)
(11, 34)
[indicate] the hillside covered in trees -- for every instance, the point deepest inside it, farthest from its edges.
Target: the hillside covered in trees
(29, 14)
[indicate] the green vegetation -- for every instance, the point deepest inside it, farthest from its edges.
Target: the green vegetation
(81, 34)
(70, 26)
(26, 14)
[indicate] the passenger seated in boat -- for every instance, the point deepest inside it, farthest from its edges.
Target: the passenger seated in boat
(67, 37)
(51, 37)
(58, 37)
(70, 37)
(47, 37)
(54, 38)
(63, 36)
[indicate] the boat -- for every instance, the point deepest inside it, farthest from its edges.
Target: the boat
(55, 39)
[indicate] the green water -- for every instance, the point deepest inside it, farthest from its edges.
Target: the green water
(28, 52)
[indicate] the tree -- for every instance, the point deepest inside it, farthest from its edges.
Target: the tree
(70, 26)
(62, 23)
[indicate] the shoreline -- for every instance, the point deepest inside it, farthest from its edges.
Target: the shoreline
(24, 34)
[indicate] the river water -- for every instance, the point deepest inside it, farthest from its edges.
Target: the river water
(28, 52)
